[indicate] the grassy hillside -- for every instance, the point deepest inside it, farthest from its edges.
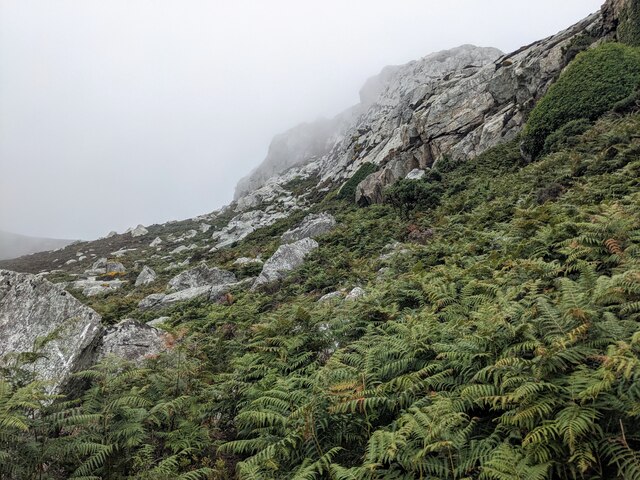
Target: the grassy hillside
(499, 339)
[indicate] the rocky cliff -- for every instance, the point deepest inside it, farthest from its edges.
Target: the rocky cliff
(455, 103)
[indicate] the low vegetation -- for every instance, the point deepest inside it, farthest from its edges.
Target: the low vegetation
(592, 84)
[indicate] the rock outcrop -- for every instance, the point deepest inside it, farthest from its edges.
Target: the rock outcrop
(130, 340)
(158, 301)
(456, 103)
(285, 259)
(146, 276)
(33, 309)
(201, 276)
(39, 316)
(139, 231)
(312, 226)
(242, 225)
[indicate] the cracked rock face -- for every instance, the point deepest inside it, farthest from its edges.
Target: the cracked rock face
(456, 103)
(312, 226)
(285, 259)
(32, 308)
(130, 340)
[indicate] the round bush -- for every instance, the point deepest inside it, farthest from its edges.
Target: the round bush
(590, 86)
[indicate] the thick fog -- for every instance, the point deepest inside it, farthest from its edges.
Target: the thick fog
(119, 112)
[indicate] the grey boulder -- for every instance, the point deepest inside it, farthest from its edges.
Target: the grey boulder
(31, 309)
(146, 277)
(130, 340)
(158, 301)
(201, 276)
(139, 231)
(312, 226)
(285, 259)
(115, 267)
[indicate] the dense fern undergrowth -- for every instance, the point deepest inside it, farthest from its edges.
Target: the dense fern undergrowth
(500, 341)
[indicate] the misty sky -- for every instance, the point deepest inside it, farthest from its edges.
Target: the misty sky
(119, 112)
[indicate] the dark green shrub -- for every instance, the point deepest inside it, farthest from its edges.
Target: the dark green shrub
(628, 104)
(408, 195)
(579, 44)
(566, 135)
(591, 85)
(629, 26)
(348, 190)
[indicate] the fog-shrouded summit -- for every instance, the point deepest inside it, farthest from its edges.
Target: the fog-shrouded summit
(379, 94)
(455, 103)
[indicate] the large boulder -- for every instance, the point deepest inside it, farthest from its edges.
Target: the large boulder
(32, 309)
(158, 301)
(201, 276)
(115, 268)
(312, 226)
(147, 276)
(285, 259)
(130, 340)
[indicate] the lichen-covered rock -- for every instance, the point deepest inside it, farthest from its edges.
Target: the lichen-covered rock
(285, 259)
(115, 267)
(130, 340)
(91, 287)
(312, 226)
(242, 261)
(242, 225)
(201, 276)
(32, 308)
(158, 301)
(147, 276)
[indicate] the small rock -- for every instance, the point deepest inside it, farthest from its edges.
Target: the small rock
(156, 242)
(356, 293)
(330, 297)
(146, 276)
(156, 322)
(112, 233)
(139, 231)
(180, 249)
(416, 174)
(247, 261)
(115, 267)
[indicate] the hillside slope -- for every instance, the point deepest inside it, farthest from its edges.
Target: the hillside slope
(477, 319)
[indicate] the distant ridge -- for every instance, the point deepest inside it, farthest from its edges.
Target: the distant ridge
(13, 245)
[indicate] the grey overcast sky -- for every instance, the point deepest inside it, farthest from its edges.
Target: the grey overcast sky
(119, 112)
